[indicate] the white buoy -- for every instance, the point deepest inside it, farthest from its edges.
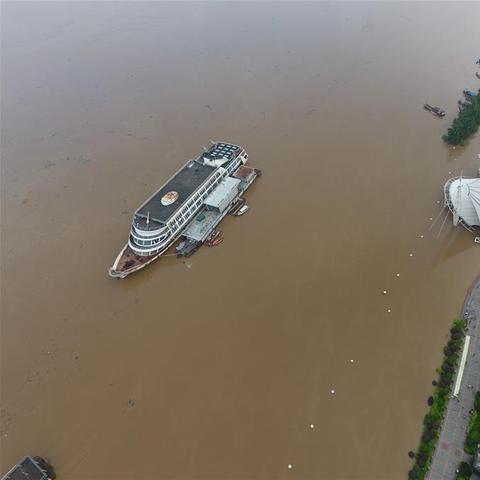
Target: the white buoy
(389, 310)
(421, 236)
(290, 466)
(410, 254)
(312, 425)
(332, 392)
(384, 292)
(397, 274)
(430, 218)
(351, 360)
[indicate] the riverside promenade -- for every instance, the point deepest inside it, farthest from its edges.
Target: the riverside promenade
(449, 452)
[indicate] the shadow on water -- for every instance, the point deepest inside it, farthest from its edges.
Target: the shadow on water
(455, 242)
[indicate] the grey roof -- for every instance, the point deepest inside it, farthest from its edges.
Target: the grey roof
(225, 191)
(185, 182)
(26, 469)
(202, 225)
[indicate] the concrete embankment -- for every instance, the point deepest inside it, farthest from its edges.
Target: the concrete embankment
(449, 452)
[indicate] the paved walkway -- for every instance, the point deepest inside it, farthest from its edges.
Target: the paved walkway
(449, 452)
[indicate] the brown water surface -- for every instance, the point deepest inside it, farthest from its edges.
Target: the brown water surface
(217, 367)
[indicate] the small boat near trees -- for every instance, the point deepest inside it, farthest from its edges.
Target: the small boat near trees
(469, 94)
(437, 111)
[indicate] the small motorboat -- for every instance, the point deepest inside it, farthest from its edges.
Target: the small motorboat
(242, 211)
(437, 111)
(237, 205)
(469, 94)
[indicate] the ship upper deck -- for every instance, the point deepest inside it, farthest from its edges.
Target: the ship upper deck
(181, 185)
(172, 196)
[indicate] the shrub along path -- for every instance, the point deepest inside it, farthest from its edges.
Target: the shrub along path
(449, 452)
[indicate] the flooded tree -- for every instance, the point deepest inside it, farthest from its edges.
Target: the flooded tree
(466, 123)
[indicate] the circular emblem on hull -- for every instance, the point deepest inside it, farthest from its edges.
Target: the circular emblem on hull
(169, 198)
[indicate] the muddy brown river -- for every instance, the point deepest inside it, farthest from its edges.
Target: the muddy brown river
(222, 366)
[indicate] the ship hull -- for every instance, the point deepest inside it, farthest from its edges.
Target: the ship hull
(122, 268)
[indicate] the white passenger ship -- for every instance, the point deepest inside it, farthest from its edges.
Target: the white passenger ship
(209, 183)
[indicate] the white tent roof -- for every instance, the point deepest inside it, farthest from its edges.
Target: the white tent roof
(464, 194)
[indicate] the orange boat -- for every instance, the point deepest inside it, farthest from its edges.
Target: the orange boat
(214, 238)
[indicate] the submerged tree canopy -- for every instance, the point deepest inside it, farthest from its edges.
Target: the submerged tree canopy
(466, 123)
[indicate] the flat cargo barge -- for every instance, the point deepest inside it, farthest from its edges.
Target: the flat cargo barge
(190, 204)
